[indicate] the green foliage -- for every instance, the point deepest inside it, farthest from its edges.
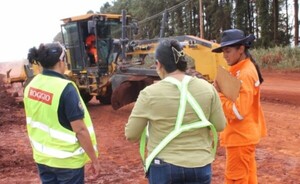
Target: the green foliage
(105, 8)
(267, 19)
(278, 57)
(241, 14)
(264, 18)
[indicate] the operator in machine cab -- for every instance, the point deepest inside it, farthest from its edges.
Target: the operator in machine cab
(91, 48)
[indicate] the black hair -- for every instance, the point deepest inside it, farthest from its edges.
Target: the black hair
(47, 54)
(170, 54)
(261, 79)
(248, 45)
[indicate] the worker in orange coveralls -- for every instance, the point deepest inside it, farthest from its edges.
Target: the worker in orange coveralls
(91, 48)
(245, 118)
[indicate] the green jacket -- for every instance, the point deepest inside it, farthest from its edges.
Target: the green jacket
(157, 108)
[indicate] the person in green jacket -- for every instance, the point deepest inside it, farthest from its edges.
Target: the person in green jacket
(179, 112)
(59, 126)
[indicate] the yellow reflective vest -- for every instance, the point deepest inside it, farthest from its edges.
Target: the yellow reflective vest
(52, 144)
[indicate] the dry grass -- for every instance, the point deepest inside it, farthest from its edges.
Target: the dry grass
(280, 58)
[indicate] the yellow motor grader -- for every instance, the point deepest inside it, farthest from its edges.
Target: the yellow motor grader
(123, 66)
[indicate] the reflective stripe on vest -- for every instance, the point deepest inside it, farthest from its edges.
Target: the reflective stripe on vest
(185, 96)
(55, 152)
(54, 133)
(49, 139)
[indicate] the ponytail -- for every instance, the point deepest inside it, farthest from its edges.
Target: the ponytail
(261, 80)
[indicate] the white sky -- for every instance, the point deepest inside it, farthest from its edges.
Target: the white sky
(27, 23)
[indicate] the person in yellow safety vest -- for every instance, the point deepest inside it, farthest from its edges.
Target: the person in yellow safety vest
(245, 118)
(180, 114)
(59, 126)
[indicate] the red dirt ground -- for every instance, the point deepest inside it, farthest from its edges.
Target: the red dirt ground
(278, 155)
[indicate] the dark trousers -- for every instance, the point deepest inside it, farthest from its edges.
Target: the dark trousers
(50, 175)
(165, 173)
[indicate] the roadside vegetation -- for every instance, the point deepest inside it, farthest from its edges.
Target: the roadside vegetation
(270, 22)
(278, 58)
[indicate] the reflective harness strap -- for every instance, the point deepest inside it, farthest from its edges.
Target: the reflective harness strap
(179, 128)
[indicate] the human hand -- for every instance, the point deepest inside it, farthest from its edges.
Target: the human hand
(94, 169)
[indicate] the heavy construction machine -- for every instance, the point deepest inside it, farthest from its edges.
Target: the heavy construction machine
(123, 66)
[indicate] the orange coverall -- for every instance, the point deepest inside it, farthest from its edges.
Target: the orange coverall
(245, 126)
(90, 43)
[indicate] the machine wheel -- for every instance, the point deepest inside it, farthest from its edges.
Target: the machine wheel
(85, 96)
(106, 99)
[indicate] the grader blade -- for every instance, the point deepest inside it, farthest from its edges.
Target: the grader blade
(128, 91)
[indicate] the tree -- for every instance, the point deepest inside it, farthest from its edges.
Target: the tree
(105, 8)
(296, 18)
(241, 15)
(263, 22)
(275, 14)
(267, 19)
(213, 21)
(250, 16)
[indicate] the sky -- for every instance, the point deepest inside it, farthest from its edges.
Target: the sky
(27, 23)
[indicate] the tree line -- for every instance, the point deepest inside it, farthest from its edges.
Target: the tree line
(269, 20)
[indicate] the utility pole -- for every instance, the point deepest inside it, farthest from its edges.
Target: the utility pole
(201, 19)
(163, 24)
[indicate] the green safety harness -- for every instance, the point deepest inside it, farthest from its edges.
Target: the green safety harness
(179, 128)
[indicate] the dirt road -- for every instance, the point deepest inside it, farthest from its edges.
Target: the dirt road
(278, 155)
